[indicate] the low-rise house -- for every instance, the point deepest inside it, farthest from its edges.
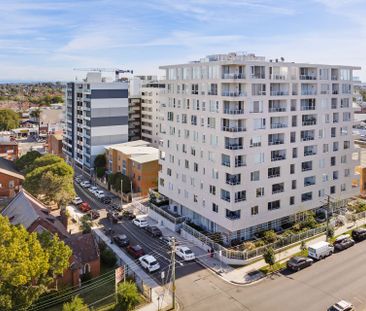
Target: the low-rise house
(137, 160)
(26, 210)
(9, 150)
(10, 179)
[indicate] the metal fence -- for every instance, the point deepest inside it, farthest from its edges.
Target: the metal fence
(174, 219)
(252, 254)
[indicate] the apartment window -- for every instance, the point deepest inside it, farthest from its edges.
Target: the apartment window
(254, 210)
(307, 196)
(240, 196)
(274, 172)
(225, 195)
(255, 141)
(293, 137)
(332, 161)
(294, 153)
(333, 132)
(332, 190)
(254, 176)
(325, 148)
(259, 192)
(344, 159)
(213, 190)
(292, 168)
(215, 208)
(195, 167)
(343, 187)
(273, 205)
(195, 198)
(169, 172)
(292, 200)
(346, 172)
(293, 184)
(259, 158)
(346, 145)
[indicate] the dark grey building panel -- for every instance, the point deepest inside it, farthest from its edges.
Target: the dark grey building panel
(100, 94)
(109, 121)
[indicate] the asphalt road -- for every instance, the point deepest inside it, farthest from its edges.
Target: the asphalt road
(341, 276)
(151, 246)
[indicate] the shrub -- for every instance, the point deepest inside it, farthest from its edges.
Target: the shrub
(269, 257)
(128, 296)
(330, 232)
(249, 246)
(108, 257)
(76, 304)
(269, 236)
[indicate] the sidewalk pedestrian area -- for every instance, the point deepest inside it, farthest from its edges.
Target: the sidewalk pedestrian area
(249, 273)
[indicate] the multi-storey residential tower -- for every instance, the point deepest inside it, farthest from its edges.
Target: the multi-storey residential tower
(251, 143)
(96, 116)
(151, 119)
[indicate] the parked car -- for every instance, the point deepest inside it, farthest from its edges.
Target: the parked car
(93, 189)
(149, 263)
(78, 180)
(77, 201)
(105, 200)
(342, 306)
(320, 250)
(94, 214)
(128, 214)
(113, 217)
(359, 234)
(153, 231)
(135, 251)
(168, 240)
(297, 263)
(85, 184)
(343, 242)
(84, 207)
(99, 194)
(121, 240)
(184, 253)
(140, 221)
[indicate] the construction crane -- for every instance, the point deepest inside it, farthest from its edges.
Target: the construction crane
(116, 71)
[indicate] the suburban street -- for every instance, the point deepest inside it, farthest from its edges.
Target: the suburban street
(341, 276)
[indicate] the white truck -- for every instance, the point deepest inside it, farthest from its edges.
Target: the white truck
(320, 250)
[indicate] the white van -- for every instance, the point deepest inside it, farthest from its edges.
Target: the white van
(320, 250)
(140, 221)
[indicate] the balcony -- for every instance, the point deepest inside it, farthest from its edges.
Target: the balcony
(233, 94)
(278, 125)
(233, 146)
(309, 181)
(233, 111)
(240, 199)
(306, 168)
(274, 175)
(307, 77)
(233, 215)
(278, 77)
(276, 142)
(309, 121)
(240, 163)
(309, 153)
(233, 129)
(308, 92)
(278, 188)
(233, 181)
(225, 163)
(305, 108)
(225, 198)
(233, 76)
(277, 109)
(278, 157)
(279, 93)
(307, 138)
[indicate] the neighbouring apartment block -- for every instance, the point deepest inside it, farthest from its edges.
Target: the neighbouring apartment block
(137, 160)
(248, 144)
(9, 148)
(96, 116)
(54, 144)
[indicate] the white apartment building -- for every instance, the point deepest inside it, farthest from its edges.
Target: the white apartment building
(249, 143)
(96, 116)
(151, 119)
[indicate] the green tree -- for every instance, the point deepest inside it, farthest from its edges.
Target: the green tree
(86, 224)
(269, 236)
(100, 160)
(9, 119)
(115, 182)
(26, 160)
(269, 257)
(330, 232)
(27, 265)
(128, 296)
(51, 183)
(309, 221)
(47, 159)
(100, 171)
(303, 246)
(108, 257)
(76, 304)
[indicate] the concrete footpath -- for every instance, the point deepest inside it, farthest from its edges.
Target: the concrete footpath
(249, 273)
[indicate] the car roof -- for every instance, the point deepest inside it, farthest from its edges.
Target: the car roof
(149, 258)
(342, 237)
(184, 248)
(343, 304)
(136, 247)
(122, 236)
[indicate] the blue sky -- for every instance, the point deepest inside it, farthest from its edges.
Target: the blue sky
(46, 39)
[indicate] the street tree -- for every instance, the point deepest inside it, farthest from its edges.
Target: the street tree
(128, 296)
(269, 257)
(9, 119)
(27, 265)
(115, 182)
(76, 304)
(100, 160)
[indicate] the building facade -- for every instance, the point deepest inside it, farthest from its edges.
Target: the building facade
(54, 144)
(249, 143)
(137, 160)
(96, 116)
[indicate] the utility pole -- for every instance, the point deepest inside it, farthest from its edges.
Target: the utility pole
(173, 272)
(327, 215)
(121, 192)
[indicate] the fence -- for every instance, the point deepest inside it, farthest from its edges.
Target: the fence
(167, 215)
(245, 256)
